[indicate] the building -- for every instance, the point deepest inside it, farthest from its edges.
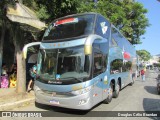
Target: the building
(154, 59)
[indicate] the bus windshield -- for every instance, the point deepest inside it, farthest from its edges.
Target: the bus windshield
(63, 64)
(70, 27)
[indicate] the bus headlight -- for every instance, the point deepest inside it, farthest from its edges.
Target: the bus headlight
(82, 91)
(83, 101)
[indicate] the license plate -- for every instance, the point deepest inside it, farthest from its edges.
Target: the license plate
(55, 102)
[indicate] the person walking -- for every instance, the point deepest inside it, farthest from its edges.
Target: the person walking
(143, 75)
(33, 72)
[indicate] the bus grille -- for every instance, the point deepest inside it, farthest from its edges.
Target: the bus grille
(56, 94)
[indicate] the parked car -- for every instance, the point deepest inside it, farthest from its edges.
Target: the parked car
(158, 84)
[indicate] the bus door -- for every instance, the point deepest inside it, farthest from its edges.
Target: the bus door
(32, 59)
(25, 48)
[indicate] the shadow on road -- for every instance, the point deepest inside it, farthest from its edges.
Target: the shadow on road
(152, 106)
(62, 112)
(151, 77)
(151, 89)
(65, 112)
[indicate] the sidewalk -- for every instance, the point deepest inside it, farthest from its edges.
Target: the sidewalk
(9, 99)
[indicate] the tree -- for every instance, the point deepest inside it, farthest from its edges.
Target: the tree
(144, 55)
(49, 10)
(128, 16)
(3, 28)
(19, 29)
(18, 40)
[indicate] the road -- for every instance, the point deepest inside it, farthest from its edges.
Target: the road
(142, 96)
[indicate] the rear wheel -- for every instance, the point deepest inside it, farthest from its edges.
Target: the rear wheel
(116, 92)
(133, 80)
(110, 95)
(158, 89)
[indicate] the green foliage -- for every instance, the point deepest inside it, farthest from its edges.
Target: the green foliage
(129, 17)
(48, 10)
(40, 10)
(144, 55)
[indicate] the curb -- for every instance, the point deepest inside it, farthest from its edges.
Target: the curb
(16, 104)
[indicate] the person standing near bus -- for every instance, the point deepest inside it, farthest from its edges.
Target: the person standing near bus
(33, 72)
(143, 74)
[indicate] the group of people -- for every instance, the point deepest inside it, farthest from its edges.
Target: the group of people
(8, 76)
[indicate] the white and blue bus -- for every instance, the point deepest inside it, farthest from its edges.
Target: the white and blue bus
(83, 60)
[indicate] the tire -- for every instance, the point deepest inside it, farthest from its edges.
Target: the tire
(133, 79)
(116, 92)
(158, 89)
(109, 98)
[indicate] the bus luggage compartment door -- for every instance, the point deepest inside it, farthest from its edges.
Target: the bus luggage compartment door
(98, 88)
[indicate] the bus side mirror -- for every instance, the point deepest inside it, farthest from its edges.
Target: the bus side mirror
(25, 48)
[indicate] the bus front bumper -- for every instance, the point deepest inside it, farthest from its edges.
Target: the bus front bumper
(82, 102)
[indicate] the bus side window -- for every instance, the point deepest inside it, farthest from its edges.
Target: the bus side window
(116, 66)
(98, 64)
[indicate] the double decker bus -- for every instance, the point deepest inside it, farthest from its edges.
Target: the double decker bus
(83, 60)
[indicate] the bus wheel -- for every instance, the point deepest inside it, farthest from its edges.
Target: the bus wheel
(158, 89)
(133, 79)
(116, 92)
(110, 95)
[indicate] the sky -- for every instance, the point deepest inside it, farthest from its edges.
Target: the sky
(151, 41)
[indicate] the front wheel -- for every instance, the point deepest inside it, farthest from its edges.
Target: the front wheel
(110, 95)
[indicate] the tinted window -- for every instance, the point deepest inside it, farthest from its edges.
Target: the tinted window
(100, 60)
(127, 66)
(118, 38)
(122, 42)
(98, 64)
(65, 63)
(70, 27)
(118, 66)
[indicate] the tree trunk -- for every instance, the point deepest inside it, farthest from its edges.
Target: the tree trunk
(21, 66)
(21, 71)
(1, 44)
